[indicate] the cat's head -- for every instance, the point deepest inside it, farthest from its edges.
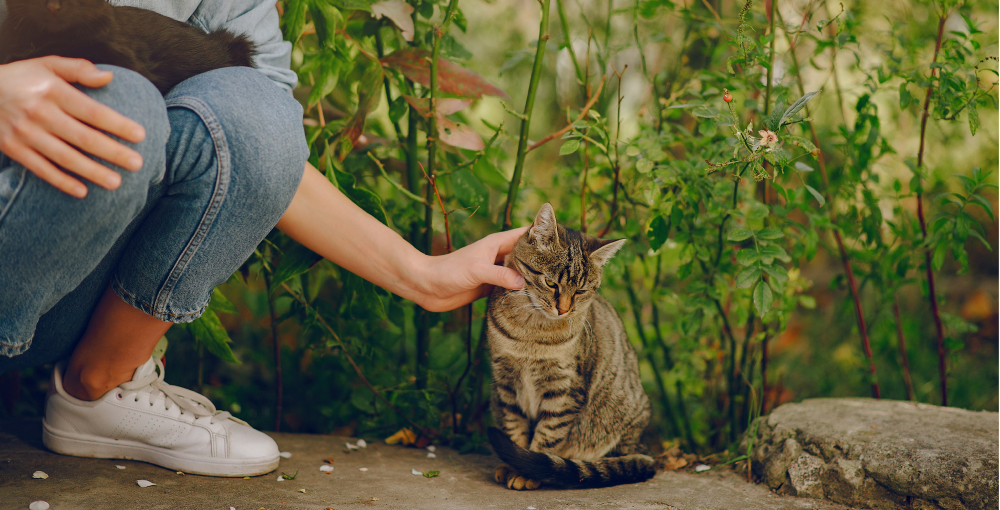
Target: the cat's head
(561, 267)
(59, 15)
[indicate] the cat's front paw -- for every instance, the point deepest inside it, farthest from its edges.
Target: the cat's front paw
(520, 483)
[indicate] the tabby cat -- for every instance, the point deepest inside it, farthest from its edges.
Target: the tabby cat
(162, 49)
(566, 390)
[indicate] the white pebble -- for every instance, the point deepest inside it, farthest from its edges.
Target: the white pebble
(285, 455)
(39, 474)
(38, 505)
(119, 467)
(431, 455)
(431, 448)
(362, 443)
(418, 473)
(351, 446)
(281, 478)
(362, 469)
(531, 508)
(144, 483)
(701, 467)
(326, 468)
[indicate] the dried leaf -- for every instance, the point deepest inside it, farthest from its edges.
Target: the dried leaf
(399, 12)
(431, 455)
(414, 472)
(39, 474)
(445, 106)
(326, 468)
(414, 63)
(431, 474)
(459, 135)
(144, 483)
(38, 505)
(404, 436)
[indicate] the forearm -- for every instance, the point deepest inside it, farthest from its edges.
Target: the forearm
(327, 222)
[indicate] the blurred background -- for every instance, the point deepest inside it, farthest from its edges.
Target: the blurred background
(755, 273)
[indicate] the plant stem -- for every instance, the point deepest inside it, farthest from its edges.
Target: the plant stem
(845, 260)
(770, 67)
(529, 104)
(939, 328)
(902, 350)
(583, 114)
(277, 359)
(568, 42)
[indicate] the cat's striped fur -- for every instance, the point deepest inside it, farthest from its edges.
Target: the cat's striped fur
(566, 391)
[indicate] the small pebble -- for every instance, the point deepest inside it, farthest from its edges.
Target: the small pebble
(285, 455)
(39, 474)
(351, 446)
(431, 448)
(144, 483)
(431, 455)
(362, 469)
(303, 491)
(326, 468)
(119, 467)
(281, 478)
(38, 505)
(701, 467)
(362, 443)
(415, 472)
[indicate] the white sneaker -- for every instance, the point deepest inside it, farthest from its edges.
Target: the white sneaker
(149, 420)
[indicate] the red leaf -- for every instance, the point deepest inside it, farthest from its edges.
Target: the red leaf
(445, 106)
(415, 64)
(459, 135)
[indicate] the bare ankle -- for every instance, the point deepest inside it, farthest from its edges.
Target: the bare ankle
(89, 384)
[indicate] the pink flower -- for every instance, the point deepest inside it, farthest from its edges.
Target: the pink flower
(767, 138)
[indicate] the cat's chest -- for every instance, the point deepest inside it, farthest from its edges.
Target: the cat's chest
(537, 382)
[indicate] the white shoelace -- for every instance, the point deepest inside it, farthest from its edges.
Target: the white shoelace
(194, 403)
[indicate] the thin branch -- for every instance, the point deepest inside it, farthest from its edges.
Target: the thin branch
(394, 183)
(583, 114)
(902, 350)
(433, 184)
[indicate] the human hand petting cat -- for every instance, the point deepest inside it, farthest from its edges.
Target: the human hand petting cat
(470, 273)
(45, 123)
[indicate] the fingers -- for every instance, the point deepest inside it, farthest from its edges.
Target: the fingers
(58, 152)
(78, 70)
(502, 276)
(506, 241)
(89, 110)
(45, 170)
(92, 141)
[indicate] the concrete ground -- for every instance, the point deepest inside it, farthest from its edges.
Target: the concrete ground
(464, 482)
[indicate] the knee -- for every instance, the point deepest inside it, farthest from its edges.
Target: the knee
(133, 96)
(262, 125)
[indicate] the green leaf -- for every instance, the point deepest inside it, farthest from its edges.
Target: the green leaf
(469, 191)
(738, 234)
(295, 260)
(806, 301)
(937, 260)
(770, 252)
(397, 109)
(569, 147)
(294, 19)
(757, 211)
(349, 5)
(643, 166)
(706, 112)
(414, 63)
(747, 277)
(220, 303)
(208, 331)
(659, 230)
(773, 120)
(326, 18)
(795, 107)
(326, 77)
(762, 298)
(973, 119)
(816, 194)
(802, 167)
(747, 256)
(778, 274)
(770, 233)
(985, 204)
(431, 474)
(369, 95)
(904, 96)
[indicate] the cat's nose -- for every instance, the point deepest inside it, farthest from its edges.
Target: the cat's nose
(561, 311)
(53, 5)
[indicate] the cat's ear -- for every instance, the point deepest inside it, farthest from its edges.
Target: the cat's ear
(607, 249)
(544, 231)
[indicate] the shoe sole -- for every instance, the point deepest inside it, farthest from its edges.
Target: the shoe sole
(102, 448)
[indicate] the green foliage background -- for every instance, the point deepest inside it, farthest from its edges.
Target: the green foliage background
(732, 249)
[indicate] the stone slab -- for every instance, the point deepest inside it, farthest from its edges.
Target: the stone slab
(881, 454)
(465, 482)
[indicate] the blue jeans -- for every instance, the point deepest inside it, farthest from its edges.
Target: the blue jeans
(223, 156)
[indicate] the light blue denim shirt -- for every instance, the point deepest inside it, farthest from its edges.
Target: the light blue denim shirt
(255, 18)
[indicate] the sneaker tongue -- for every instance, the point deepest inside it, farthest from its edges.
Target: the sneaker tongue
(145, 369)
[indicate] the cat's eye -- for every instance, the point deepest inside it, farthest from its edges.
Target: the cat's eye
(581, 291)
(550, 283)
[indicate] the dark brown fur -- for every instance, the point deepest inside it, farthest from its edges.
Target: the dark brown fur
(162, 49)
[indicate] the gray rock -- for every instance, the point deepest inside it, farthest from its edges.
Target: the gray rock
(880, 454)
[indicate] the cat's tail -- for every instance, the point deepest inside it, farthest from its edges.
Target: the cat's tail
(571, 473)
(238, 47)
